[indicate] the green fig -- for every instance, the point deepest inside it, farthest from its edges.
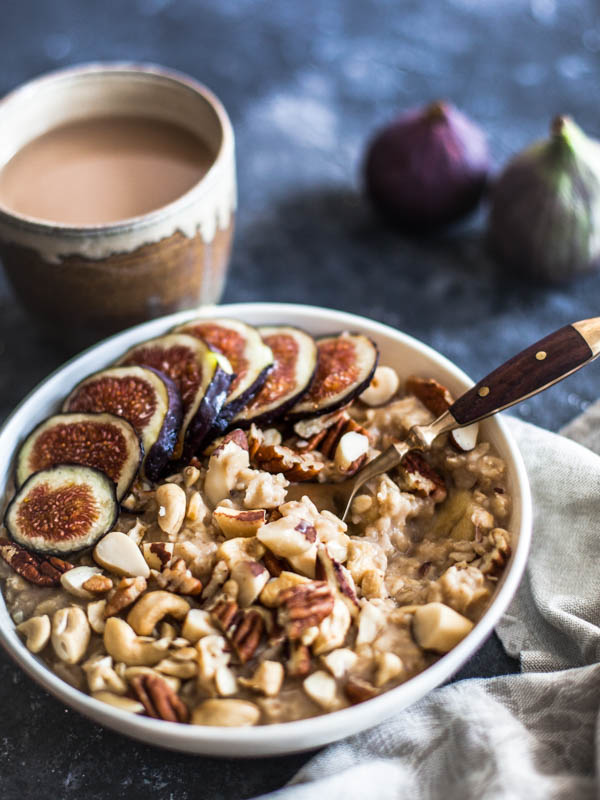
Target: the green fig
(545, 206)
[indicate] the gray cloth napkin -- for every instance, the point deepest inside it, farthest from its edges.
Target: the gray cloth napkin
(533, 735)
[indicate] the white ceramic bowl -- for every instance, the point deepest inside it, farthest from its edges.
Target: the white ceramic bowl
(397, 349)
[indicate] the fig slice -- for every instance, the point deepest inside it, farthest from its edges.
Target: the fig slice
(144, 397)
(202, 377)
(103, 441)
(345, 366)
(250, 358)
(62, 509)
(295, 360)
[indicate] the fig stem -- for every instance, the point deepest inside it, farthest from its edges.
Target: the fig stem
(438, 110)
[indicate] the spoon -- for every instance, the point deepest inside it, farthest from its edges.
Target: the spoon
(531, 371)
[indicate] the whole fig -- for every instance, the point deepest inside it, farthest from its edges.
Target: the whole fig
(545, 206)
(428, 168)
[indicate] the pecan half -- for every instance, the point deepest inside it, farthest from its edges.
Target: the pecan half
(296, 467)
(35, 569)
(303, 606)
(326, 441)
(274, 564)
(159, 699)
(435, 397)
(127, 592)
(243, 628)
(238, 436)
(421, 478)
(178, 578)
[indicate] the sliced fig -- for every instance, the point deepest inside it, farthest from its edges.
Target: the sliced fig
(250, 358)
(295, 361)
(102, 441)
(345, 366)
(143, 396)
(202, 377)
(62, 509)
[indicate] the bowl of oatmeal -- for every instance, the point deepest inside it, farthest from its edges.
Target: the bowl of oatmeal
(222, 606)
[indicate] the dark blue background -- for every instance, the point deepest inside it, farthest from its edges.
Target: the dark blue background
(305, 84)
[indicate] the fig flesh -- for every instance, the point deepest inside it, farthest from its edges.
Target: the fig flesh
(144, 397)
(295, 361)
(428, 168)
(250, 358)
(545, 207)
(345, 366)
(62, 509)
(103, 441)
(202, 377)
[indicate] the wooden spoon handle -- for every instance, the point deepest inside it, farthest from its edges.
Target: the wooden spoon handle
(530, 371)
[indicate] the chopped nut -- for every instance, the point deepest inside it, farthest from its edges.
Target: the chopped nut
(157, 554)
(358, 690)
(333, 629)
(117, 553)
(217, 579)
(101, 677)
(97, 584)
(73, 581)
(224, 466)
(228, 713)
(270, 594)
(339, 578)
(435, 397)
(439, 628)
(384, 385)
(244, 629)
(35, 569)
(190, 475)
(275, 565)
(240, 549)
(303, 606)
(118, 701)
(420, 477)
(177, 669)
(178, 578)
(373, 584)
(294, 540)
(172, 504)
(95, 615)
(158, 699)
(322, 689)
(299, 662)
(344, 425)
(234, 522)
(389, 666)
(267, 679)
(351, 452)
(212, 654)
(225, 681)
(197, 624)
(37, 632)
(494, 560)
(370, 622)
(127, 592)
(340, 661)
(137, 533)
(295, 466)
(250, 578)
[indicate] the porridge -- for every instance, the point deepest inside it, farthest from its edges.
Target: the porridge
(224, 590)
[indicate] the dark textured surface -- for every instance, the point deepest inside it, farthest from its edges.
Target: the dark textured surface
(305, 83)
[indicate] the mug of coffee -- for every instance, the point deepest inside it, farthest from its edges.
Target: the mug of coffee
(117, 196)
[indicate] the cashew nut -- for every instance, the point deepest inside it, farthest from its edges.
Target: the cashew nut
(118, 701)
(154, 606)
(226, 713)
(70, 634)
(37, 632)
(178, 669)
(122, 643)
(171, 507)
(101, 676)
(267, 679)
(322, 689)
(95, 615)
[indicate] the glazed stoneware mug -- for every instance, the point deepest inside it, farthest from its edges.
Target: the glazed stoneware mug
(83, 282)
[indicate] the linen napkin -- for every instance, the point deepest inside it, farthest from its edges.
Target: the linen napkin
(532, 735)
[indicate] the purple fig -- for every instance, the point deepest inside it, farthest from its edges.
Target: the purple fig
(545, 206)
(428, 168)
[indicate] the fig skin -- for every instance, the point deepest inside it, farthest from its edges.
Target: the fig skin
(544, 219)
(427, 168)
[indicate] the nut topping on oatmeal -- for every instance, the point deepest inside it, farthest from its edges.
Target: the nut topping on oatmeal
(34, 568)
(158, 699)
(301, 607)
(219, 583)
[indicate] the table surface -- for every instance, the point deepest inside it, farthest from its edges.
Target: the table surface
(305, 85)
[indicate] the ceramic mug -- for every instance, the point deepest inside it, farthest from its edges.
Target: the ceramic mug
(82, 282)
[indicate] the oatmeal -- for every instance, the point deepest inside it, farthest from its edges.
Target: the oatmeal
(228, 594)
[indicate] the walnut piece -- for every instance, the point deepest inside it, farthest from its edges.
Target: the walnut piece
(243, 628)
(127, 592)
(177, 578)
(295, 466)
